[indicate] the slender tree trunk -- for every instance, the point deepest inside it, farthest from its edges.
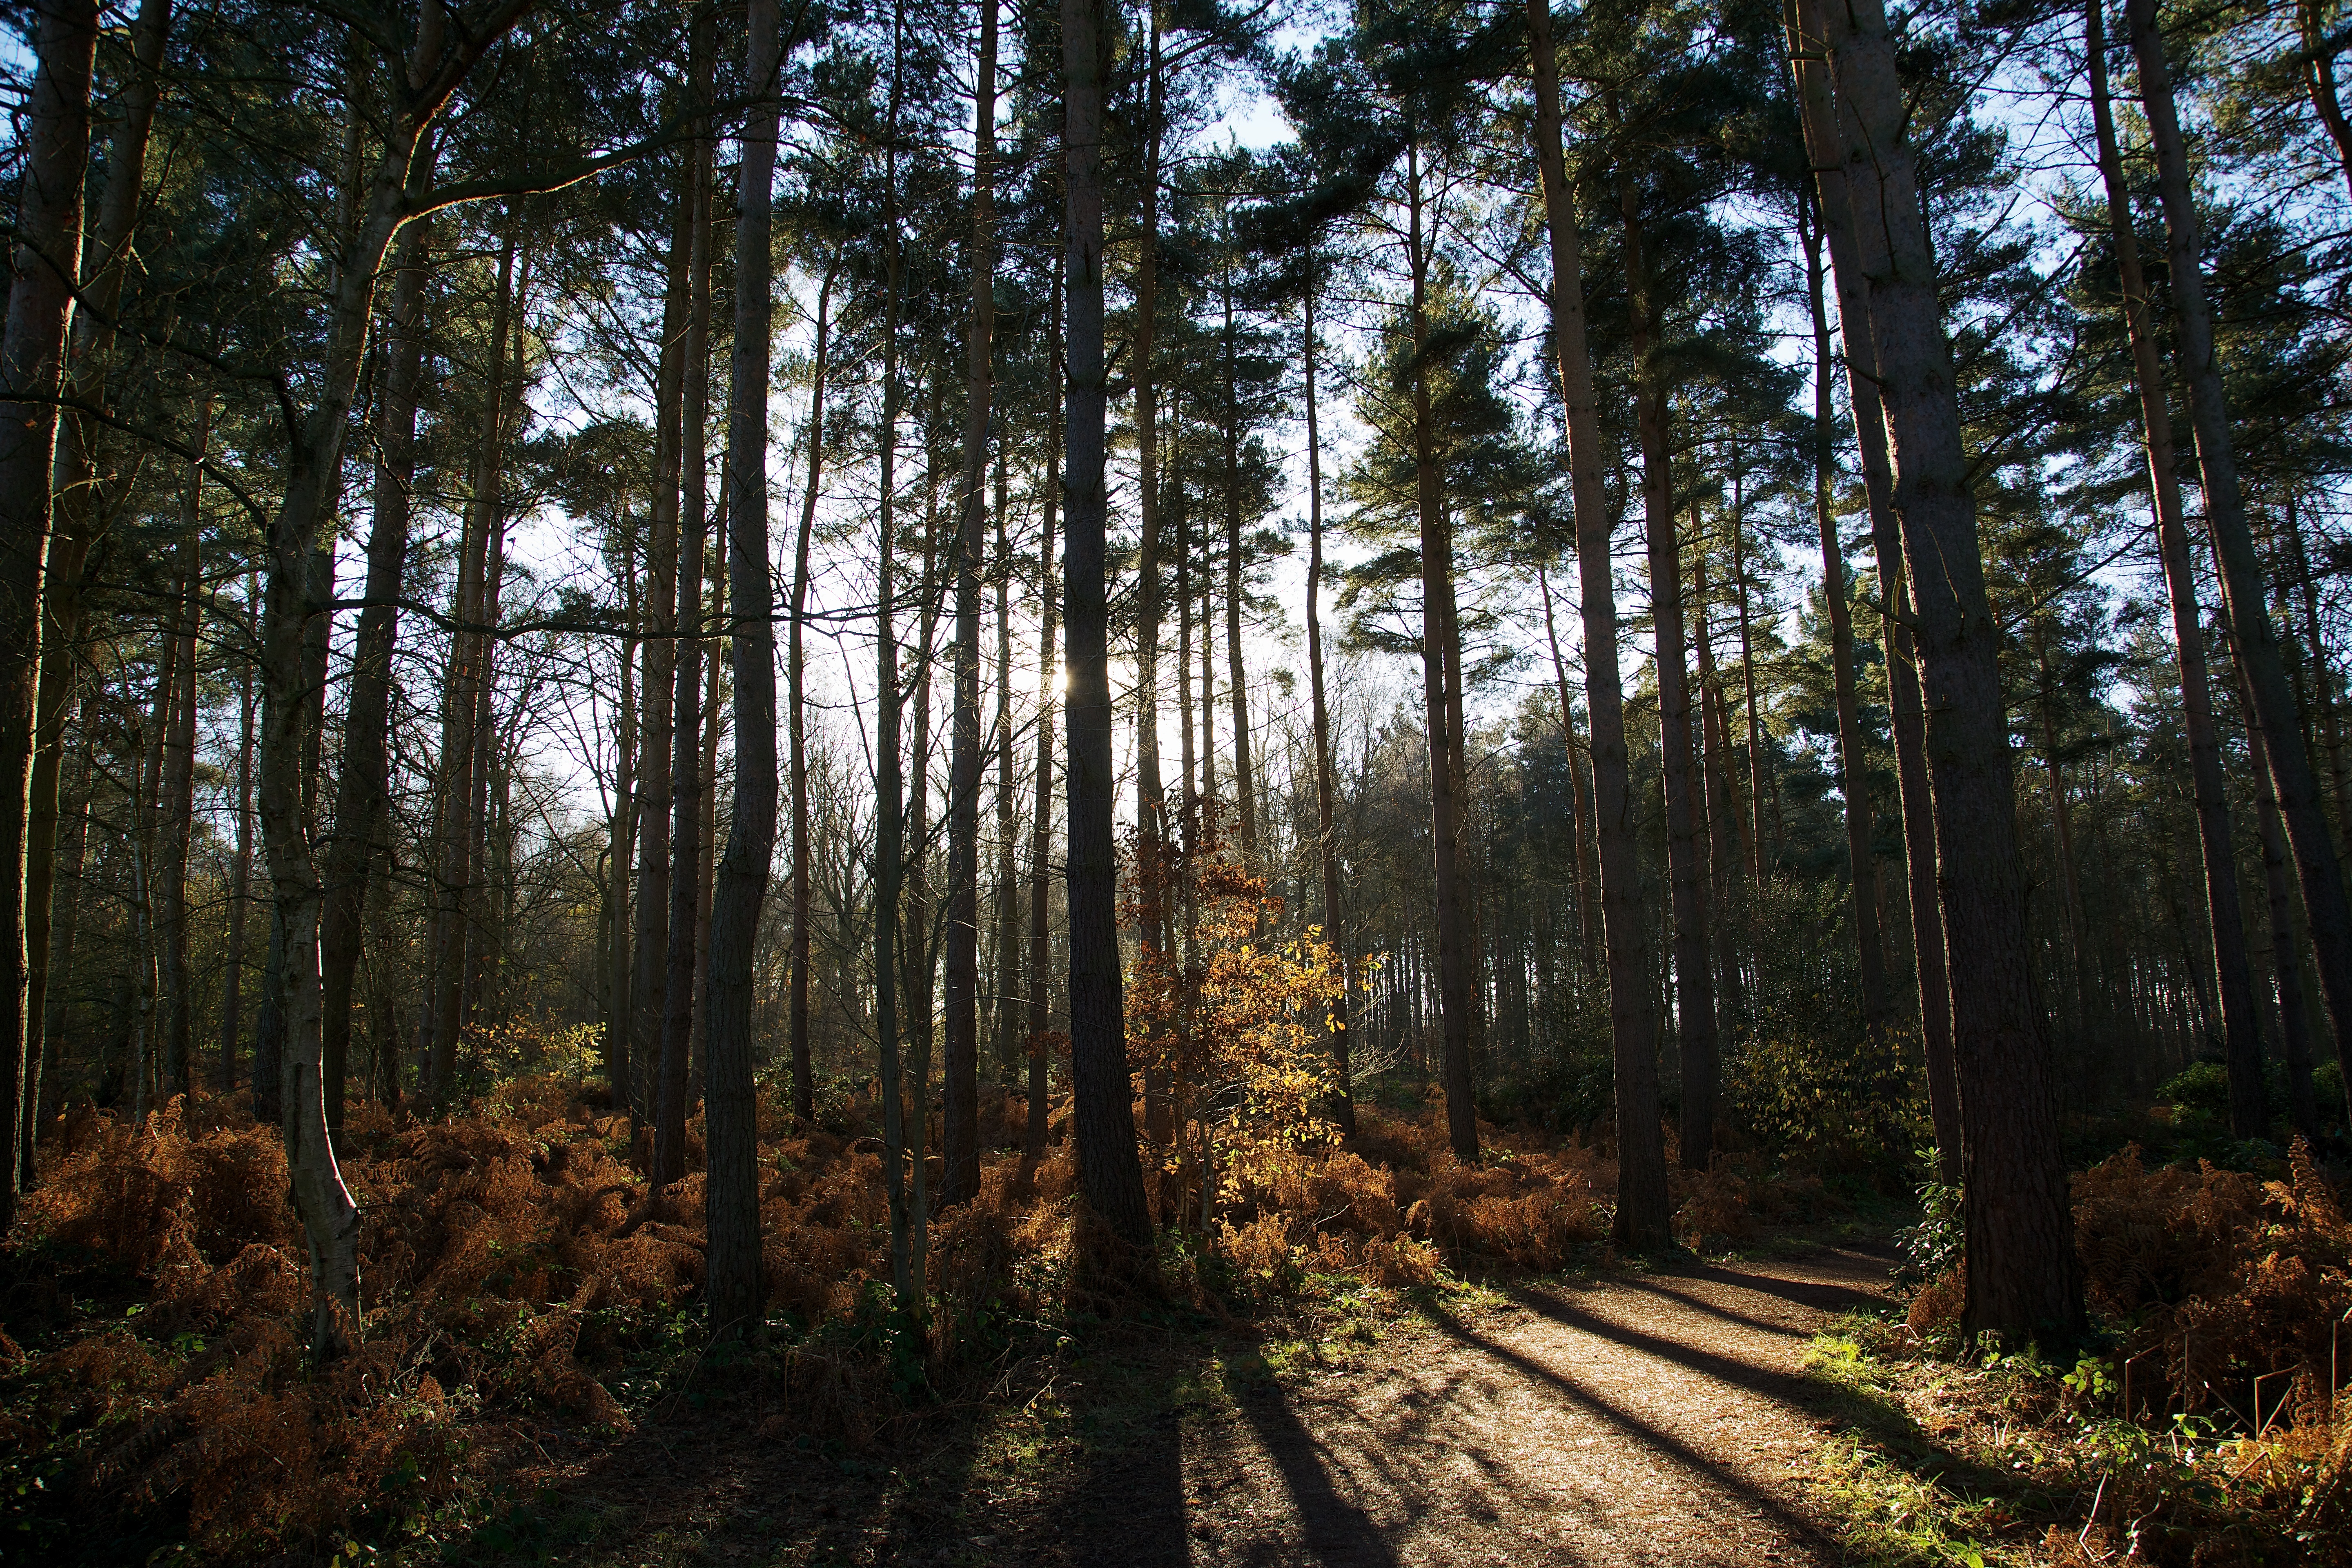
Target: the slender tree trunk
(2286, 941)
(2319, 71)
(658, 738)
(732, 1200)
(1748, 686)
(75, 515)
(1245, 793)
(354, 855)
(44, 266)
(889, 844)
(2069, 887)
(2023, 1280)
(1109, 1172)
(2242, 1039)
(1579, 808)
(689, 776)
(1151, 795)
(1454, 955)
(1854, 782)
(1006, 985)
(1722, 810)
(795, 669)
(2243, 589)
(1908, 715)
(1644, 1208)
(714, 722)
(1327, 845)
(960, 1180)
(240, 883)
(177, 801)
(1040, 822)
(2324, 680)
(1686, 876)
(461, 760)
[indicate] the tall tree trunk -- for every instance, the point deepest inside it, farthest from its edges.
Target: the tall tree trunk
(1151, 793)
(2319, 70)
(960, 1180)
(177, 803)
(1245, 791)
(889, 844)
(1908, 720)
(1327, 847)
(2023, 1280)
(2243, 588)
(1748, 687)
(2324, 680)
(1687, 875)
(1643, 1208)
(44, 266)
(714, 722)
(1007, 982)
(1109, 1172)
(75, 515)
(2286, 940)
(1579, 808)
(1437, 633)
(733, 1193)
(461, 738)
(1040, 822)
(1723, 834)
(2226, 924)
(1854, 780)
(2062, 822)
(657, 742)
(354, 856)
(240, 888)
(673, 1094)
(795, 669)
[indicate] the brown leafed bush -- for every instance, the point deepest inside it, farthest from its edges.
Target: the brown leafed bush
(2223, 1275)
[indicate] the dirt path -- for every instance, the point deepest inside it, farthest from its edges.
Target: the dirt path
(1658, 1419)
(1652, 1419)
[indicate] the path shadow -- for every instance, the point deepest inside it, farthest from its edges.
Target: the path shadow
(1769, 1382)
(1820, 1295)
(1653, 1284)
(1663, 1444)
(1339, 1532)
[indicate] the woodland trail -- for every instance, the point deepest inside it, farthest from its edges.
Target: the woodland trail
(1656, 1419)
(1629, 1419)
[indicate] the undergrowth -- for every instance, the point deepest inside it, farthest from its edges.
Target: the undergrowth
(2208, 1427)
(527, 1299)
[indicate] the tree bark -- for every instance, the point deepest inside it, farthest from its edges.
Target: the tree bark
(890, 851)
(2243, 589)
(355, 855)
(1644, 1208)
(689, 777)
(1853, 783)
(961, 1177)
(176, 800)
(1327, 847)
(1687, 875)
(1442, 699)
(76, 513)
(658, 738)
(2286, 940)
(1244, 791)
(795, 668)
(1151, 793)
(737, 1300)
(44, 266)
(1111, 1176)
(2023, 1280)
(1041, 823)
(2226, 924)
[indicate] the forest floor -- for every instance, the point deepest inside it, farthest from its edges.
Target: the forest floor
(1656, 1415)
